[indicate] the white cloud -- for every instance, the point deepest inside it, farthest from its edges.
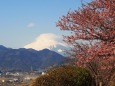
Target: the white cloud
(60, 50)
(48, 41)
(31, 25)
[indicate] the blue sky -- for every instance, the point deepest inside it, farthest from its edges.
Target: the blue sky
(22, 21)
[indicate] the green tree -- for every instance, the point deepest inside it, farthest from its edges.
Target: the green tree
(65, 76)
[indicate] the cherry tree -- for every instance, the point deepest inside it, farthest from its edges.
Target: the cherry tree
(92, 37)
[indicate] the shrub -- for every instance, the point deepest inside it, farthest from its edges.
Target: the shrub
(65, 76)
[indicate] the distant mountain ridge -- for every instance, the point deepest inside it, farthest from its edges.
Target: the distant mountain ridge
(26, 59)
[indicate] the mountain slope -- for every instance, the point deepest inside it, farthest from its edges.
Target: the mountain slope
(24, 59)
